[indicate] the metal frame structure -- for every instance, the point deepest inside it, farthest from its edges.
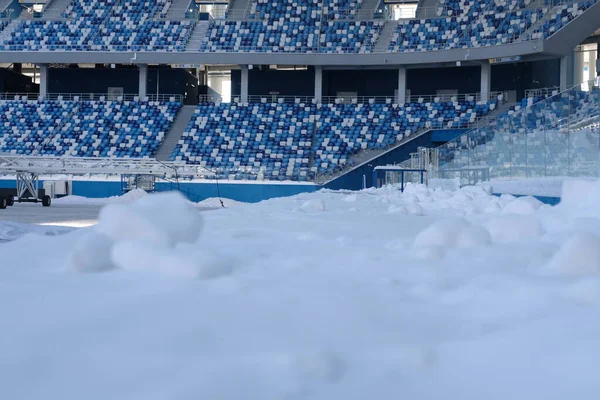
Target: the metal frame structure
(27, 170)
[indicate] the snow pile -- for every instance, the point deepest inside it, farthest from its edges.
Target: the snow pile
(129, 197)
(346, 295)
(523, 205)
(126, 198)
(453, 233)
(215, 202)
(316, 205)
(155, 232)
(514, 228)
(579, 255)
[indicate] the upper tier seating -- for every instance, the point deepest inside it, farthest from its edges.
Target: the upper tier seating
(492, 28)
(134, 25)
(85, 129)
(83, 18)
(563, 15)
(455, 8)
(278, 139)
(109, 24)
(307, 26)
(260, 36)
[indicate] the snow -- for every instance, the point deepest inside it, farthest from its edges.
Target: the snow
(327, 295)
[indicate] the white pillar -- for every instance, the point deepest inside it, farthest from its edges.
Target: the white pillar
(401, 95)
(486, 81)
(143, 75)
(244, 89)
(592, 64)
(578, 66)
(318, 83)
(43, 81)
(564, 73)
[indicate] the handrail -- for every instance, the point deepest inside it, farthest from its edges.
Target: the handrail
(91, 97)
(285, 99)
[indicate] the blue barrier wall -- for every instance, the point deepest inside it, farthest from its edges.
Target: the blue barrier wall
(247, 193)
(195, 191)
(544, 199)
(96, 189)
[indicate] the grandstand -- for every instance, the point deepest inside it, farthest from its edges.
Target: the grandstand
(320, 89)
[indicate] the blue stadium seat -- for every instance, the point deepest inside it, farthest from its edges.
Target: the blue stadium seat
(85, 129)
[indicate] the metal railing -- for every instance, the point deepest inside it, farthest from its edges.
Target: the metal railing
(92, 97)
(432, 98)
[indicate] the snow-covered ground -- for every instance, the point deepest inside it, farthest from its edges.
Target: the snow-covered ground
(329, 295)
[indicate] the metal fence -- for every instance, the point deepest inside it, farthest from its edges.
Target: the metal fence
(442, 97)
(556, 137)
(92, 97)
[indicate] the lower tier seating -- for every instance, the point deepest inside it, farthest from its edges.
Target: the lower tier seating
(298, 141)
(85, 129)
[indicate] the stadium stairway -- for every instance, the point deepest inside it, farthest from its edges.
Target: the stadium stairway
(56, 8)
(367, 9)
(198, 36)
(238, 9)
(424, 8)
(385, 36)
(178, 9)
(177, 128)
(6, 32)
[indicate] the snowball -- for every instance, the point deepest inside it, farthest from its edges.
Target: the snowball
(412, 188)
(414, 209)
(144, 256)
(91, 253)
(161, 219)
(397, 210)
(579, 254)
(514, 228)
(443, 233)
(473, 236)
(478, 190)
(507, 198)
(493, 206)
(527, 205)
(313, 205)
(185, 262)
(580, 192)
(409, 198)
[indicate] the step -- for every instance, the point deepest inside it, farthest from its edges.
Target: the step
(177, 129)
(385, 36)
(198, 36)
(178, 9)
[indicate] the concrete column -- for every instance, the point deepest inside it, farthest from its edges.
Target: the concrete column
(565, 71)
(143, 75)
(578, 65)
(44, 80)
(401, 95)
(592, 64)
(486, 81)
(318, 83)
(244, 89)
